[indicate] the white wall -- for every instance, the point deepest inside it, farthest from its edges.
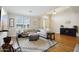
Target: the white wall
(4, 19)
(62, 18)
(12, 30)
(46, 22)
(35, 22)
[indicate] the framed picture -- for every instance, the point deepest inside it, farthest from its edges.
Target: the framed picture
(11, 22)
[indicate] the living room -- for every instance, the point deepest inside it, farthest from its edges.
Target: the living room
(30, 21)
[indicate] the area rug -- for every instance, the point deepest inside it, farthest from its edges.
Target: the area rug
(76, 49)
(40, 45)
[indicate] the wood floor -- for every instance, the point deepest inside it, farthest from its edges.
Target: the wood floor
(64, 43)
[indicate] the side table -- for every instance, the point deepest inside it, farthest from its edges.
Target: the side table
(51, 36)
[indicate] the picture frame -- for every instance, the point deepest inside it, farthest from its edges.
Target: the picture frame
(11, 22)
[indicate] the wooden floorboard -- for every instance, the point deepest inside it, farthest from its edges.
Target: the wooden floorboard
(64, 43)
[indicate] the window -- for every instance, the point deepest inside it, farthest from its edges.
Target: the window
(22, 22)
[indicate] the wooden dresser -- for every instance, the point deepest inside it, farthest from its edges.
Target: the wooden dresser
(68, 31)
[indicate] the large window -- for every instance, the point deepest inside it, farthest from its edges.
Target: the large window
(22, 22)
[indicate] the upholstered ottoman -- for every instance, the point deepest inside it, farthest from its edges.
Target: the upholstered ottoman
(33, 37)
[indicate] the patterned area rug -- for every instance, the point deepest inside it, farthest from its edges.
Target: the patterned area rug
(76, 49)
(40, 45)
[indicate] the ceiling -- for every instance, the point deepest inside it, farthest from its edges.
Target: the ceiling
(75, 8)
(29, 10)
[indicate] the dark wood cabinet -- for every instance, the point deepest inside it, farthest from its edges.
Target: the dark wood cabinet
(68, 31)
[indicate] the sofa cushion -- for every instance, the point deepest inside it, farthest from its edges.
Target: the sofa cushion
(43, 33)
